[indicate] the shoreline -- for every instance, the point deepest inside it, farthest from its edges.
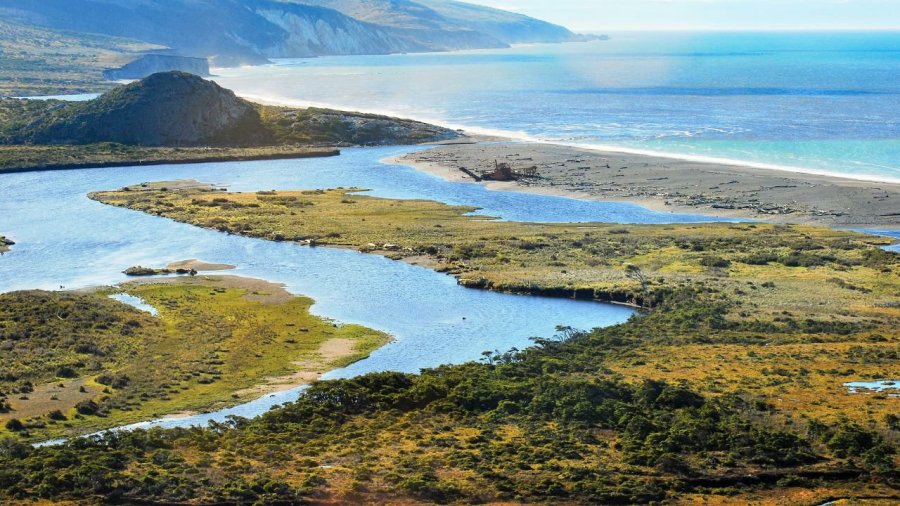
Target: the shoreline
(481, 134)
(670, 185)
(99, 164)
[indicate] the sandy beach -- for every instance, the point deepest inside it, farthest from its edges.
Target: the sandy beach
(674, 185)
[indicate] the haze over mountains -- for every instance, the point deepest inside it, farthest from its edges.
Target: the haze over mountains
(236, 32)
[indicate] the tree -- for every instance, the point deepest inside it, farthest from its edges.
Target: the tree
(634, 272)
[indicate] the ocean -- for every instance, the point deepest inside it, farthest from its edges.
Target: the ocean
(817, 102)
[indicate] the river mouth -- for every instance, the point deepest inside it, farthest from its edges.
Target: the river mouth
(66, 241)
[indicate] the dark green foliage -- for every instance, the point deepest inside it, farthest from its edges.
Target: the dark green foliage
(715, 261)
(44, 335)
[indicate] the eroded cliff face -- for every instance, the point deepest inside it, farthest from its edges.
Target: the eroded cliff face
(312, 34)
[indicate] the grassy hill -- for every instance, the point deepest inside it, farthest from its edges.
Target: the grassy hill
(132, 123)
(179, 109)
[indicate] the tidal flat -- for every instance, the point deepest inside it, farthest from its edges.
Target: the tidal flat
(672, 184)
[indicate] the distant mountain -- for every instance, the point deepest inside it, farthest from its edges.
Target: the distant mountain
(180, 109)
(149, 64)
(447, 22)
(43, 61)
(233, 32)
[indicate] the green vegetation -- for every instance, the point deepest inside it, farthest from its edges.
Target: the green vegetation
(550, 424)
(29, 157)
(72, 363)
(38, 61)
(728, 390)
(328, 127)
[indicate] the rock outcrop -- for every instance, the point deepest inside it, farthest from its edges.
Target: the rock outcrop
(154, 63)
(166, 109)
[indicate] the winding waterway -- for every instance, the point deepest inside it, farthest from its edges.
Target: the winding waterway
(66, 240)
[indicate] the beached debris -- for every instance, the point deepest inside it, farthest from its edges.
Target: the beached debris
(504, 172)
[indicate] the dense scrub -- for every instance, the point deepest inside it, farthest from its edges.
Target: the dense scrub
(552, 423)
(20, 158)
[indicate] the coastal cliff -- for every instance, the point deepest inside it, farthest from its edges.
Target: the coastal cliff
(233, 32)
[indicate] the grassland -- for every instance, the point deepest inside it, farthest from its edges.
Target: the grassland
(72, 363)
(22, 158)
(37, 61)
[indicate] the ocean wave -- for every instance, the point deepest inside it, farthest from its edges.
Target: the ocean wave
(722, 92)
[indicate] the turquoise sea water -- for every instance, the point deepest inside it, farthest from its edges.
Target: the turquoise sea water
(815, 101)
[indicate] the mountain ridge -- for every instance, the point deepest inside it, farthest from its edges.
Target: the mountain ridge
(239, 32)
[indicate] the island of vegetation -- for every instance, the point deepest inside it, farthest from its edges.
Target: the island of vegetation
(78, 362)
(5, 243)
(729, 388)
(174, 117)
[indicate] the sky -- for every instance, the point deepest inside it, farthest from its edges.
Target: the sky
(612, 15)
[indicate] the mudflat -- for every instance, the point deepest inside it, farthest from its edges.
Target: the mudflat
(674, 185)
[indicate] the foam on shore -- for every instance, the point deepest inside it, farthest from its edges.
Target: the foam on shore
(603, 148)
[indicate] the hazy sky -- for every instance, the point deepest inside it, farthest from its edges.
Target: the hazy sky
(709, 14)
